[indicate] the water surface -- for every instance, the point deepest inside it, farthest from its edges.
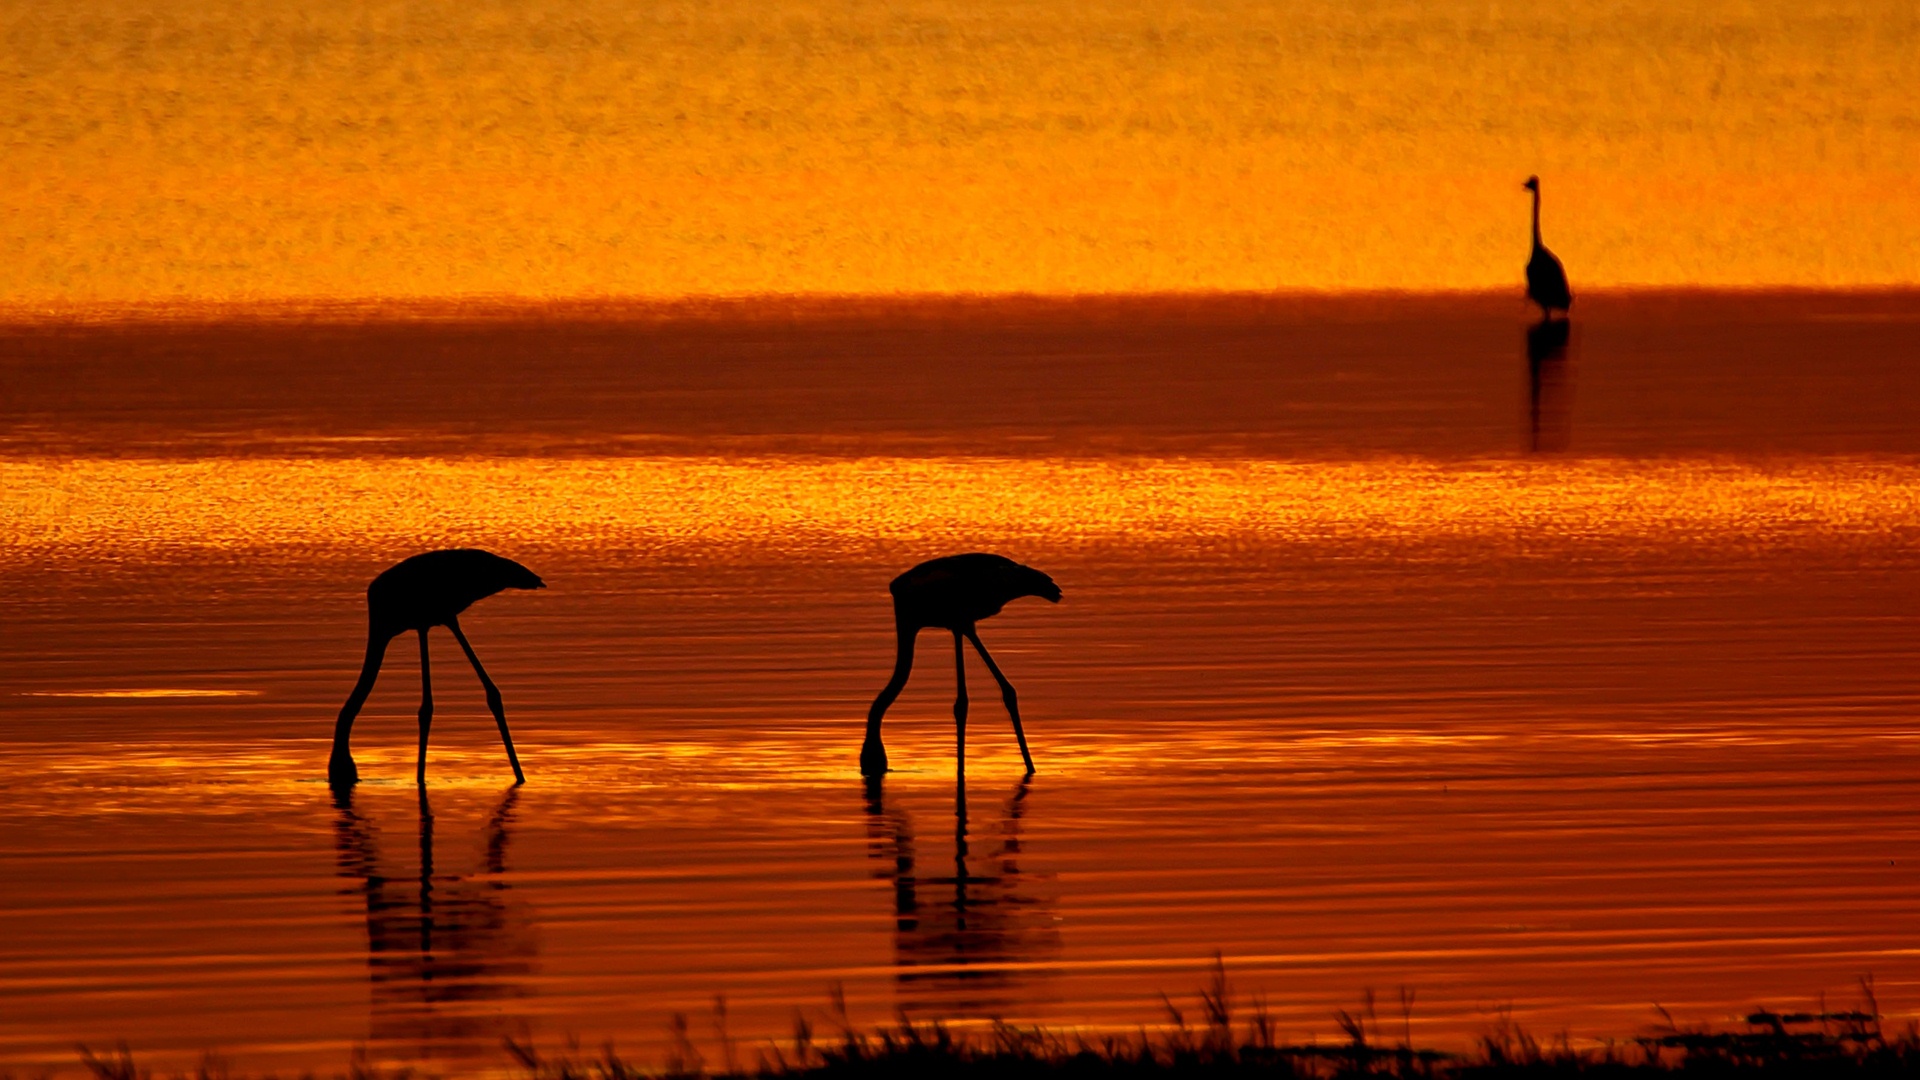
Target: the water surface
(1388, 658)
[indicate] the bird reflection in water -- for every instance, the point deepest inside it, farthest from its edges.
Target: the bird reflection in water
(444, 950)
(967, 942)
(1549, 425)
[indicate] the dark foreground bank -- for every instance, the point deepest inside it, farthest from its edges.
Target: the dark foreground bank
(1215, 1043)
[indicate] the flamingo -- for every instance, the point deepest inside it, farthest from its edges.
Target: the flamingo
(953, 593)
(418, 594)
(1546, 278)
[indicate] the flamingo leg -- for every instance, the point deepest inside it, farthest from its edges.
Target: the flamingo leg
(1006, 694)
(963, 878)
(960, 842)
(426, 869)
(873, 755)
(426, 709)
(960, 707)
(341, 772)
(494, 704)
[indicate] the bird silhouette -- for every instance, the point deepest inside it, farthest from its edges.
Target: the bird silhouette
(953, 593)
(418, 594)
(1546, 278)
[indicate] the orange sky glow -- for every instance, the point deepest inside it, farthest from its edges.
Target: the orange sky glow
(235, 150)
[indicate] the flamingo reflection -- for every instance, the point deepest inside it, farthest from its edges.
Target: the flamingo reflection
(965, 942)
(444, 950)
(1548, 424)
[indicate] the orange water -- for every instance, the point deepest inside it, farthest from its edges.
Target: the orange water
(424, 148)
(1371, 672)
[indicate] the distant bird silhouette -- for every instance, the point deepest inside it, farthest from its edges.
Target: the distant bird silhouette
(953, 593)
(1546, 278)
(418, 594)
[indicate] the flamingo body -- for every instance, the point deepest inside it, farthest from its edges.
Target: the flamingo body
(1546, 278)
(953, 593)
(419, 593)
(433, 588)
(1547, 282)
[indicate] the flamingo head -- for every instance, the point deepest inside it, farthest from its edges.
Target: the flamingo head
(1532, 184)
(1040, 585)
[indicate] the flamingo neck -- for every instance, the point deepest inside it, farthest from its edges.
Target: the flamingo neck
(1536, 217)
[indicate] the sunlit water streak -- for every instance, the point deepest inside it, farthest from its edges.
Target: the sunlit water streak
(800, 503)
(157, 692)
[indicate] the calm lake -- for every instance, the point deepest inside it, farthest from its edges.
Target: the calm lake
(1547, 687)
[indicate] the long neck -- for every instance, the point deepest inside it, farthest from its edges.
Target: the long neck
(1536, 217)
(902, 667)
(369, 671)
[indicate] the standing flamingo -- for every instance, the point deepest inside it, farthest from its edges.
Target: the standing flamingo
(418, 594)
(1546, 278)
(953, 593)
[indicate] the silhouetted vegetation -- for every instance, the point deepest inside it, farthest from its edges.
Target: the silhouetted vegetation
(1220, 1040)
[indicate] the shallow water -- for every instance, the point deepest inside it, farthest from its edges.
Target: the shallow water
(1381, 665)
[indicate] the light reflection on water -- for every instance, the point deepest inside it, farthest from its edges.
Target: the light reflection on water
(144, 505)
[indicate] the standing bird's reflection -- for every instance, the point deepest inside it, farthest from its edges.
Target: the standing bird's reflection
(443, 949)
(965, 942)
(1549, 424)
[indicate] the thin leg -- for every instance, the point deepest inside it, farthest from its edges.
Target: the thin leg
(426, 867)
(426, 709)
(873, 755)
(960, 707)
(341, 772)
(494, 703)
(1007, 695)
(426, 839)
(960, 834)
(963, 878)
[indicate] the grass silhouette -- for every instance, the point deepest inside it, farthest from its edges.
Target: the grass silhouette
(1219, 1041)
